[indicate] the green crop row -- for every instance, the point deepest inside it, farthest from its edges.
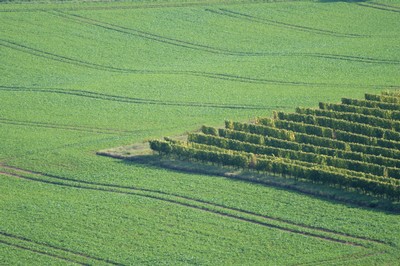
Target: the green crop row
(372, 104)
(295, 155)
(312, 139)
(382, 98)
(359, 118)
(344, 125)
(279, 166)
(292, 145)
(377, 112)
(391, 93)
(298, 162)
(329, 133)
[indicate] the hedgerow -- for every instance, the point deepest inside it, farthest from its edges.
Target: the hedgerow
(353, 145)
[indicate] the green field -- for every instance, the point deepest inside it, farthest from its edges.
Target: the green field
(79, 77)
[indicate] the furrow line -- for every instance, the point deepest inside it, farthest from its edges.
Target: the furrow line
(40, 252)
(379, 7)
(225, 51)
(201, 202)
(116, 98)
(385, 5)
(50, 246)
(59, 126)
(63, 59)
(146, 35)
(243, 16)
(347, 258)
(220, 76)
(143, 6)
(192, 206)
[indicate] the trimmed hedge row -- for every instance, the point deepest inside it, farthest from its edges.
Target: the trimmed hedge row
(253, 156)
(391, 93)
(377, 112)
(382, 98)
(355, 144)
(372, 104)
(329, 133)
(292, 145)
(279, 166)
(358, 118)
(312, 139)
(344, 125)
(237, 145)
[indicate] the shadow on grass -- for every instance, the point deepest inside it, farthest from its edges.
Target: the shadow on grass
(324, 192)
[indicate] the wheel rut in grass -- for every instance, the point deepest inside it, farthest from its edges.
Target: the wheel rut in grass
(50, 250)
(125, 99)
(347, 258)
(379, 6)
(142, 6)
(211, 75)
(218, 209)
(63, 127)
(205, 48)
(276, 23)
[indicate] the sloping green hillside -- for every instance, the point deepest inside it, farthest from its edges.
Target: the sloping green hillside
(78, 77)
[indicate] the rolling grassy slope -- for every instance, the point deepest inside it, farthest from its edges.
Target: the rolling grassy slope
(79, 77)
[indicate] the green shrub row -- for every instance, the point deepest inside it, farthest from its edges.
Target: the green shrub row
(312, 139)
(242, 136)
(359, 118)
(343, 125)
(209, 130)
(253, 156)
(377, 112)
(294, 155)
(329, 133)
(279, 166)
(395, 93)
(382, 98)
(292, 145)
(372, 104)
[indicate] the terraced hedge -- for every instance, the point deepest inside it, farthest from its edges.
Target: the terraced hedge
(354, 145)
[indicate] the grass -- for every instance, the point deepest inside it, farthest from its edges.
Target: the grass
(71, 84)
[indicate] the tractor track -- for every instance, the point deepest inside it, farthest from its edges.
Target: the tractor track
(385, 5)
(63, 127)
(276, 23)
(53, 248)
(378, 6)
(215, 208)
(125, 99)
(210, 49)
(150, 36)
(346, 258)
(219, 76)
(142, 6)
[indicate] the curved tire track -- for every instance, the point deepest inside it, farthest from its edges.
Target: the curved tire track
(141, 6)
(276, 23)
(378, 6)
(150, 36)
(125, 99)
(63, 127)
(54, 249)
(385, 5)
(40, 252)
(210, 49)
(206, 205)
(347, 258)
(219, 76)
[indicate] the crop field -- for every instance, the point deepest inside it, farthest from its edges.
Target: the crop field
(79, 77)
